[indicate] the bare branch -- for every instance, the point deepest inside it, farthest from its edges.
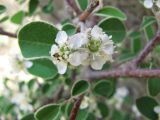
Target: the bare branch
(76, 107)
(148, 48)
(2, 32)
(73, 6)
(89, 10)
(136, 73)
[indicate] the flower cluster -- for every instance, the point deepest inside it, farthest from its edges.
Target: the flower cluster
(150, 3)
(91, 47)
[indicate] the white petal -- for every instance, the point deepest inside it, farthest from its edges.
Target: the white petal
(77, 58)
(61, 38)
(98, 62)
(158, 3)
(96, 32)
(105, 37)
(62, 67)
(108, 48)
(148, 3)
(157, 109)
(54, 49)
(77, 40)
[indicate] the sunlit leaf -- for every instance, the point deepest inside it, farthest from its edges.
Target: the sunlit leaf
(18, 17)
(36, 39)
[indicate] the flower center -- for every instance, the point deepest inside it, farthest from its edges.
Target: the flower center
(94, 45)
(63, 53)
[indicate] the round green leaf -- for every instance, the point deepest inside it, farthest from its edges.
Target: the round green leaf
(28, 117)
(104, 88)
(43, 68)
(80, 87)
(154, 86)
(82, 4)
(111, 12)
(18, 17)
(36, 39)
(114, 27)
(33, 4)
(2, 9)
(47, 112)
(146, 106)
(69, 28)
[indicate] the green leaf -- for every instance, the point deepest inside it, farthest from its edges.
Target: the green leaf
(146, 106)
(149, 32)
(28, 117)
(104, 88)
(2, 9)
(120, 115)
(18, 17)
(136, 44)
(82, 4)
(48, 8)
(82, 114)
(80, 87)
(5, 18)
(91, 117)
(114, 27)
(111, 12)
(69, 28)
(33, 4)
(31, 84)
(147, 21)
(36, 39)
(47, 112)
(154, 86)
(43, 68)
(104, 110)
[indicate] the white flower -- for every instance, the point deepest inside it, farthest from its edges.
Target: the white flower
(75, 42)
(99, 48)
(148, 3)
(60, 52)
(92, 47)
(65, 51)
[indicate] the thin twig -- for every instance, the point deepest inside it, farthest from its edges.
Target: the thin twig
(72, 4)
(89, 10)
(148, 48)
(136, 73)
(2, 32)
(76, 107)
